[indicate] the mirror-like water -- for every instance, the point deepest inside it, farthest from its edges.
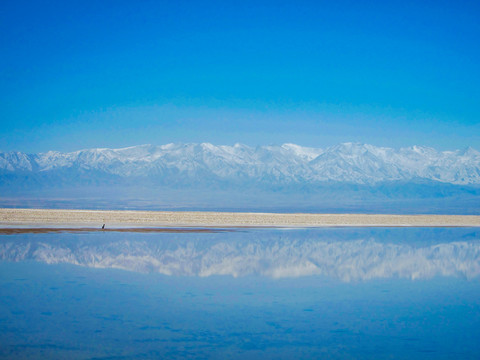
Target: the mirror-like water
(259, 293)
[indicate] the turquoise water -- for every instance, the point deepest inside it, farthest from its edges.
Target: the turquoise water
(361, 293)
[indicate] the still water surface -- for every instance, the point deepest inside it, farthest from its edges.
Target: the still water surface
(356, 293)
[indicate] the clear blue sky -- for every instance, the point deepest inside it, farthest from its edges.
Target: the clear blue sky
(80, 74)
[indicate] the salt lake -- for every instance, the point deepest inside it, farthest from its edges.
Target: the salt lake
(333, 293)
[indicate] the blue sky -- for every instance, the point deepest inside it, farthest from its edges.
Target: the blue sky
(81, 74)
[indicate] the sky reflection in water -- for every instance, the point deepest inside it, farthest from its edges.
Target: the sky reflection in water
(302, 293)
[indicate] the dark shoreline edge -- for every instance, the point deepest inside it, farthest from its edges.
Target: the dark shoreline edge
(14, 231)
(207, 229)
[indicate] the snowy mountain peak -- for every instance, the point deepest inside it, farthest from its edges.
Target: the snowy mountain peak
(469, 151)
(307, 153)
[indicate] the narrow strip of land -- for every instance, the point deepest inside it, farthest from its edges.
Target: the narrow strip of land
(48, 230)
(96, 218)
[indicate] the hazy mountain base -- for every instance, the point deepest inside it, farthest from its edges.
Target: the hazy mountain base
(388, 197)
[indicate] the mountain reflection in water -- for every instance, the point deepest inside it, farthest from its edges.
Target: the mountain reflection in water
(344, 254)
(360, 303)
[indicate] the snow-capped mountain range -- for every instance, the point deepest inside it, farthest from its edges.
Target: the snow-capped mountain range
(286, 164)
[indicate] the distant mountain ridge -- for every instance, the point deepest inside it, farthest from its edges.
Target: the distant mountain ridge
(350, 163)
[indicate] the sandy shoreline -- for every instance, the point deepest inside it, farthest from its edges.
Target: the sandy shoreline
(23, 218)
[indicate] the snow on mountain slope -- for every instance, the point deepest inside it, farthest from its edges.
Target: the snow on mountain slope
(15, 161)
(285, 164)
